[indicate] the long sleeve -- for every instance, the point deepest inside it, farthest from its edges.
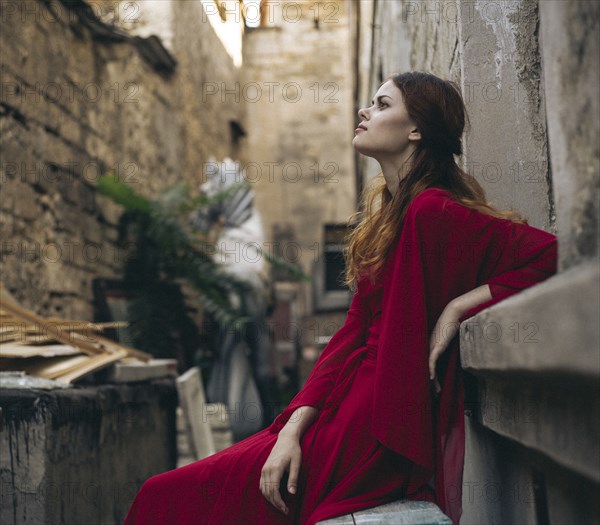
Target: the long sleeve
(321, 380)
(528, 257)
(444, 250)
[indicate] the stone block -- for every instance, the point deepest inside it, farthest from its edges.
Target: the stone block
(401, 512)
(124, 372)
(79, 455)
(522, 335)
(533, 390)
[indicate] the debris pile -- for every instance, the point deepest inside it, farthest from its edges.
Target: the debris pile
(59, 349)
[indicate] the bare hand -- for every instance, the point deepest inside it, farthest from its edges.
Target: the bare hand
(285, 455)
(444, 331)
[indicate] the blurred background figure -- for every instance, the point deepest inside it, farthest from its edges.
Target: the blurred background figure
(241, 375)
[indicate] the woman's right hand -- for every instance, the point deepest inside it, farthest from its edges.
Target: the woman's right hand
(285, 456)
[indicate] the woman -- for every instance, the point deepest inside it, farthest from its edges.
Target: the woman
(381, 415)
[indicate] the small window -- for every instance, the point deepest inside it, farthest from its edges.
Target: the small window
(329, 291)
(236, 134)
(334, 257)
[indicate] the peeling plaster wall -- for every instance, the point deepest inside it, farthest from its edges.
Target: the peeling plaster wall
(501, 77)
(570, 41)
(491, 50)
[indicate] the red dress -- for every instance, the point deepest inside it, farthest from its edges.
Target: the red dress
(381, 433)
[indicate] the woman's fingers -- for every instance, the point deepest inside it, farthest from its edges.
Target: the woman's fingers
(269, 486)
(285, 456)
(293, 477)
(432, 361)
(276, 498)
(432, 375)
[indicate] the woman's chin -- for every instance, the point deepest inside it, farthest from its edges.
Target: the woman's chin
(361, 149)
(356, 145)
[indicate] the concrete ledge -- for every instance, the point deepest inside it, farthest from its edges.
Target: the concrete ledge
(534, 333)
(536, 359)
(401, 512)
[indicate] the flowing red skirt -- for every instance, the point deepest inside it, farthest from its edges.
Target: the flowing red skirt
(344, 469)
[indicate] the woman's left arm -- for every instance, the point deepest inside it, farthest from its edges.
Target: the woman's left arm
(471, 299)
(448, 324)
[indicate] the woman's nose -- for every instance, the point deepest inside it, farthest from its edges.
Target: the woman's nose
(362, 113)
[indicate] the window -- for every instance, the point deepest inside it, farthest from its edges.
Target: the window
(236, 132)
(329, 291)
(334, 257)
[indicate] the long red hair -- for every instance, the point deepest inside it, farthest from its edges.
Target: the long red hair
(438, 110)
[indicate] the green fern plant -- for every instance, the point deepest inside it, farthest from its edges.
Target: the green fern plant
(167, 251)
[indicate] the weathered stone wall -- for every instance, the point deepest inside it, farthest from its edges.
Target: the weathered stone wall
(528, 73)
(298, 88)
(570, 45)
(491, 50)
(81, 455)
(204, 67)
(78, 101)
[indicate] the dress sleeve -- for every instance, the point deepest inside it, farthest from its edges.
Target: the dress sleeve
(321, 380)
(525, 256)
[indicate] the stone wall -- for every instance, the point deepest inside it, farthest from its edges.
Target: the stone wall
(570, 47)
(80, 98)
(491, 50)
(81, 455)
(528, 73)
(298, 87)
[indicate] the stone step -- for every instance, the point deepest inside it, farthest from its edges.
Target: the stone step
(401, 512)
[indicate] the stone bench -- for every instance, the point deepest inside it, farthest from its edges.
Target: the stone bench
(401, 512)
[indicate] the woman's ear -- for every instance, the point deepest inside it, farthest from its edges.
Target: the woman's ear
(415, 134)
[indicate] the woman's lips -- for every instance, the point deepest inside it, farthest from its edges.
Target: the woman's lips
(359, 129)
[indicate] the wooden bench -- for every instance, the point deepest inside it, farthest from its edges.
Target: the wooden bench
(401, 512)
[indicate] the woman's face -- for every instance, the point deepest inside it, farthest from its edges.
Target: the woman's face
(385, 128)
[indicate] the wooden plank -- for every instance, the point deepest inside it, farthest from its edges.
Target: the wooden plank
(23, 324)
(93, 363)
(52, 330)
(47, 367)
(113, 346)
(98, 346)
(20, 350)
(193, 401)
